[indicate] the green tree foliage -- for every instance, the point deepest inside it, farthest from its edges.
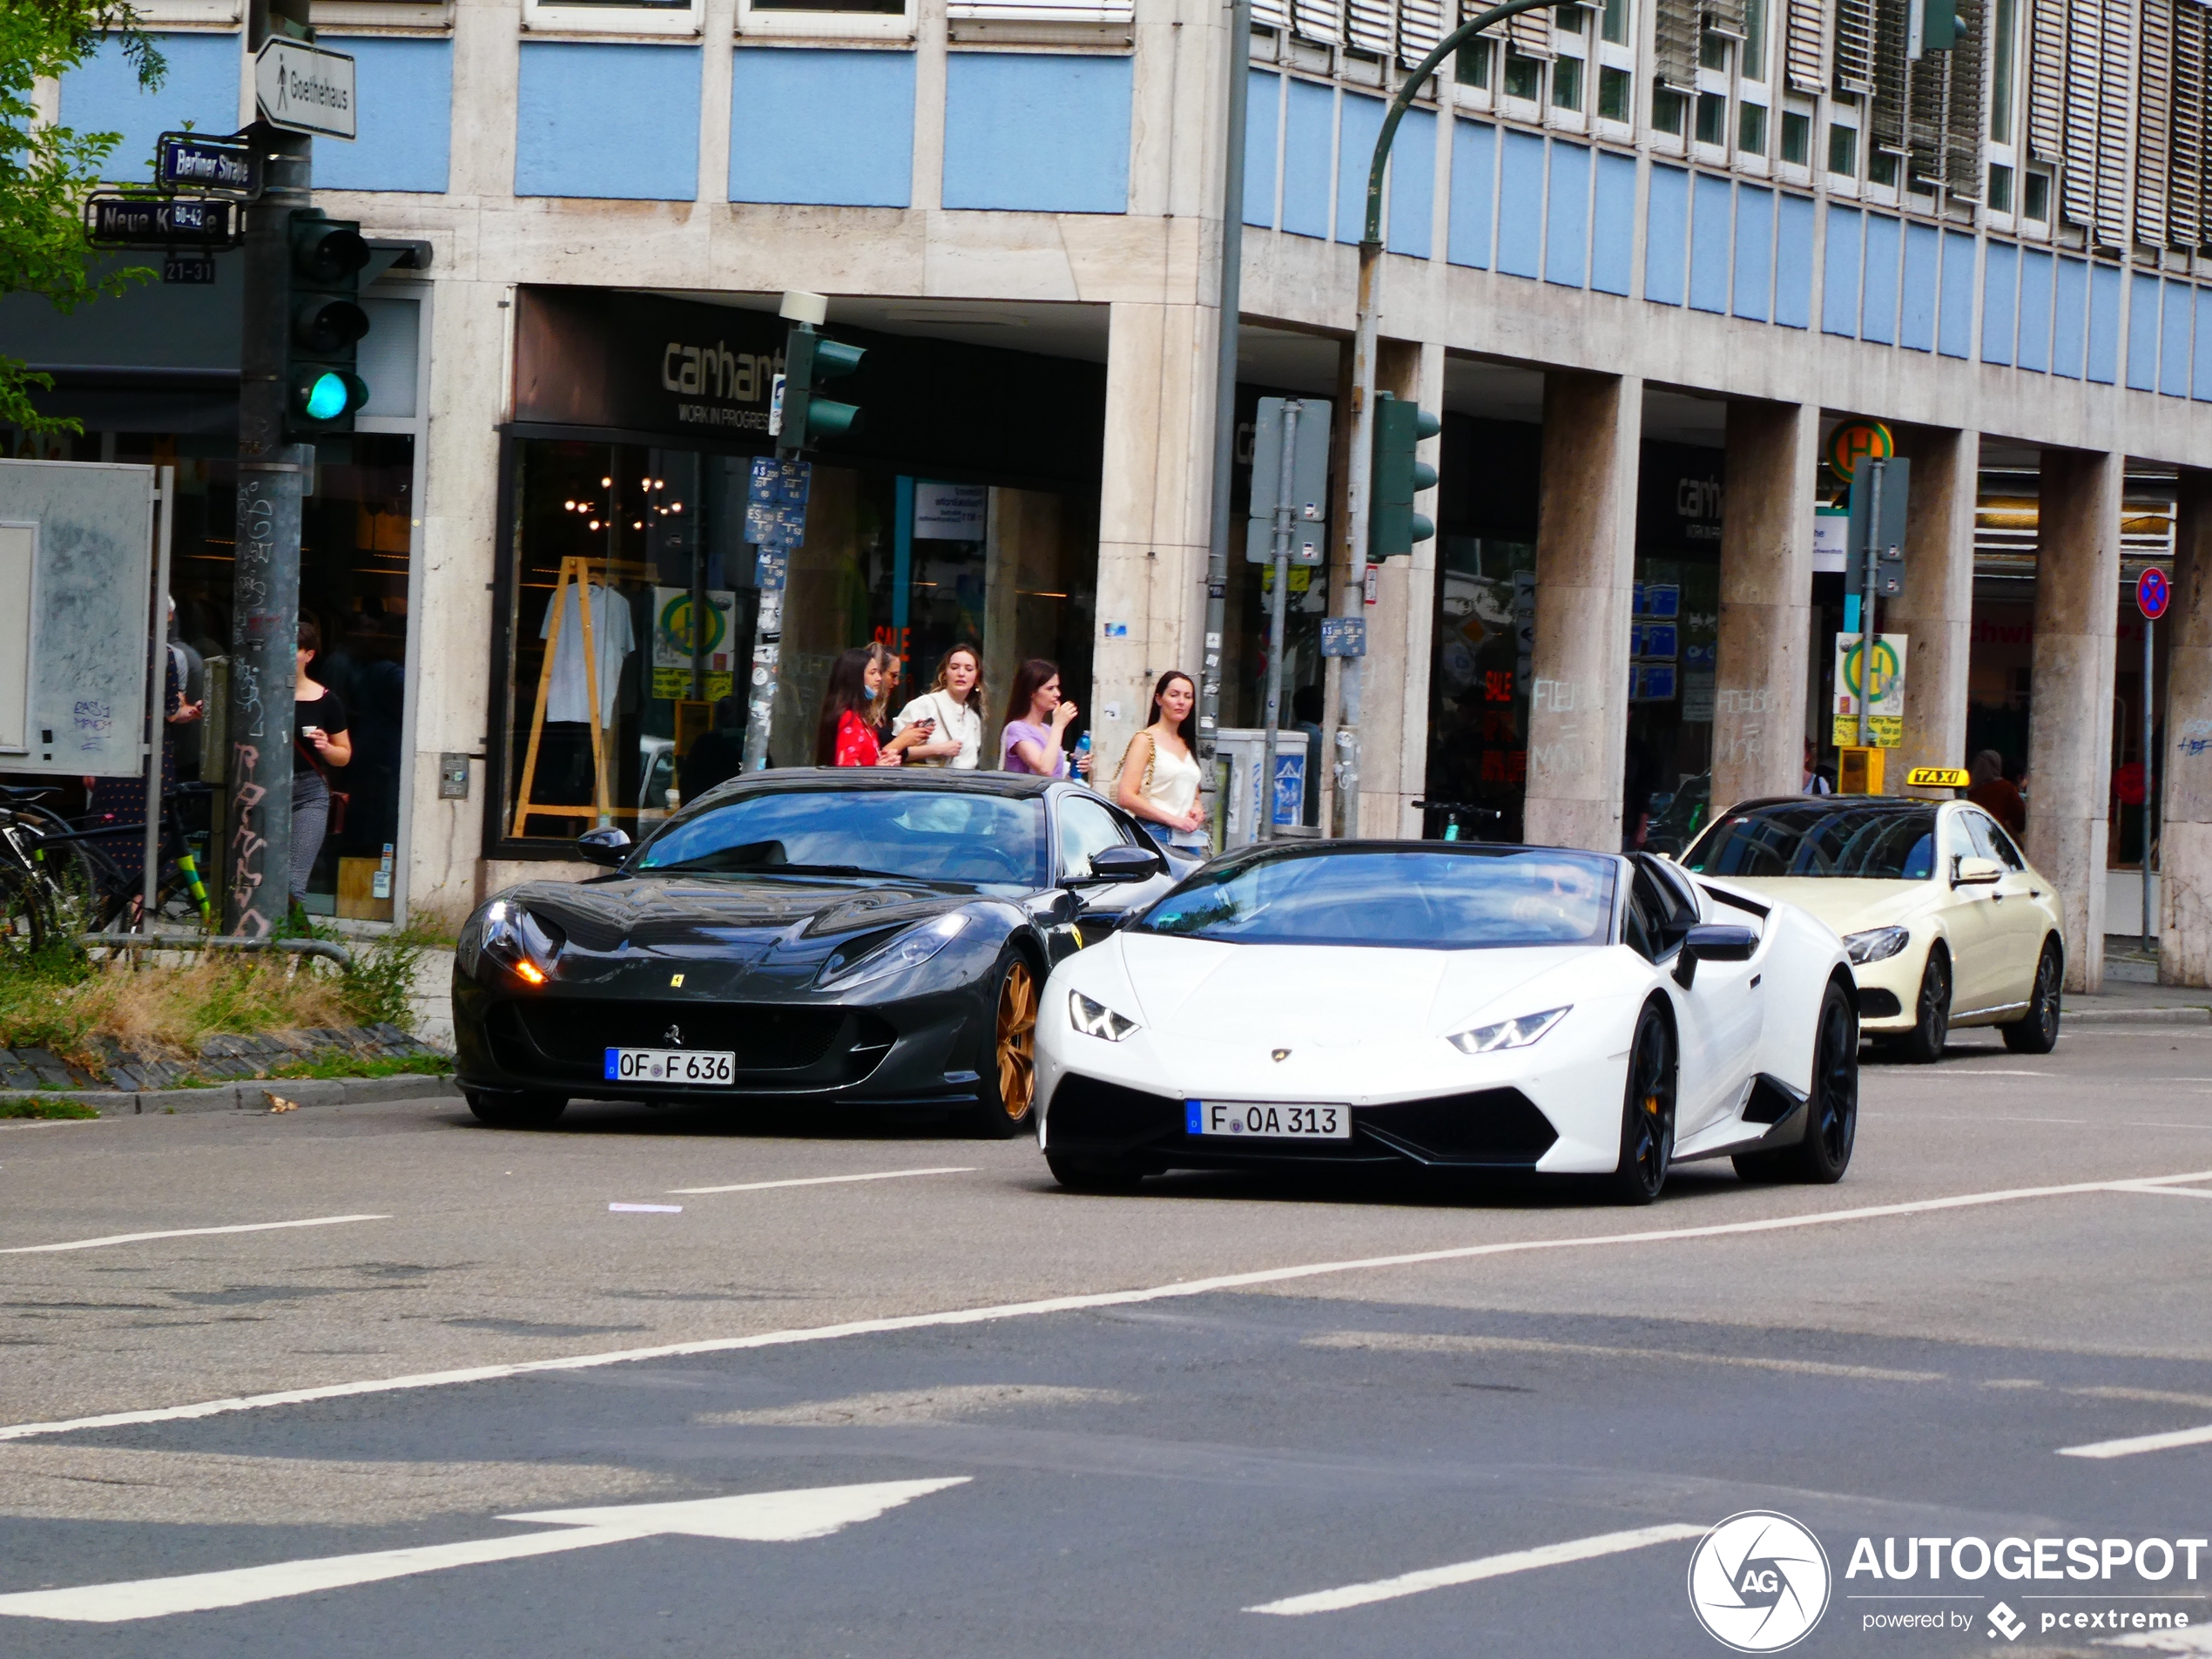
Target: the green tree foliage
(46, 170)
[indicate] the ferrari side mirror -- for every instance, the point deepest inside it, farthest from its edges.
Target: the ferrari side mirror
(609, 846)
(1713, 942)
(1126, 864)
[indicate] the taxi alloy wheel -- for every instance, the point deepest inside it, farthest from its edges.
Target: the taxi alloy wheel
(1923, 1044)
(2038, 1032)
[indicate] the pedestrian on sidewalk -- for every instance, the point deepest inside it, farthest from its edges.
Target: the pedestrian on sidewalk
(1031, 740)
(1995, 794)
(320, 744)
(1159, 778)
(850, 730)
(955, 700)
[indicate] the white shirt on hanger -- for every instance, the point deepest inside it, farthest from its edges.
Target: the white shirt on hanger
(566, 698)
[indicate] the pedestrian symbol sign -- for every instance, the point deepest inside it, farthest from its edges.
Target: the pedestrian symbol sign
(1857, 441)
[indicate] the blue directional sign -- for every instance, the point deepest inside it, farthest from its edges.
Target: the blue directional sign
(211, 166)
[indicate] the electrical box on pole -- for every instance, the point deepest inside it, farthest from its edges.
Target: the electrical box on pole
(1882, 544)
(1392, 525)
(324, 324)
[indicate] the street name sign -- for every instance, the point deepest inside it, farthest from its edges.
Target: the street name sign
(158, 221)
(211, 166)
(304, 89)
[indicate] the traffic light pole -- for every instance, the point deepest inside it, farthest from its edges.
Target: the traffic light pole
(1285, 500)
(1877, 471)
(1352, 600)
(1224, 416)
(273, 478)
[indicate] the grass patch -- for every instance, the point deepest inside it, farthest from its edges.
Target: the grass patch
(351, 1066)
(47, 1109)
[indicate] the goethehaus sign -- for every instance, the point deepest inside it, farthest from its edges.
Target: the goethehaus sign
(305, 89)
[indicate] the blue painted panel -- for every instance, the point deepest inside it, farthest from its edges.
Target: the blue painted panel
(1666, 237)
(1362, 118)
(1753, 294)
(1840, 283)
(1955, 329)
(1566, 228)
(1708, 244)
(1474, 192)
(1793, 263)
(1877, 304)
(617, 122)
(1262, 102)
(1043, 132)
(1999, 295)
(2203, 389)
(2069, 317)
(2104, 323)
(102, 95)
(863, 158)
(2035, 310)
(1916, 329)
(2174, 341)
(1613, 222)
(1412, 185)
(1520, 205)
(2142, 333)
(404, 92)
(1309, 140)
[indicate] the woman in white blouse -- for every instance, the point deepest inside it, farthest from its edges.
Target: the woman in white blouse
(954, 701)
(1159, 781)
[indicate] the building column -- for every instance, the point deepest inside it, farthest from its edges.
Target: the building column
(1393, 733)
(1154, 511)
(1766, 600)
(2185, 830)
(2069, 737)
(1586, 529)
(1935, 610)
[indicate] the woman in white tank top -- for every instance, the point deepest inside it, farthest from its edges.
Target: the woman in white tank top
(1159, 780)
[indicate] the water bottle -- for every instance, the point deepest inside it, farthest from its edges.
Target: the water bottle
(1082, 750)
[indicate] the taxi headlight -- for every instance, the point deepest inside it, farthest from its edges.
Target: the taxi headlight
(1876, 944)
(1508, 1034)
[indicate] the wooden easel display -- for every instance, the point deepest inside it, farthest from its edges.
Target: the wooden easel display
(577, 570)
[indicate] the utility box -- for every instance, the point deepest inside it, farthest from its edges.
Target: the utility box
(76, 562)
(1241, 746)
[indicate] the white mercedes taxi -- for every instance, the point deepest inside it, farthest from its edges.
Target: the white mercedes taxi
(1946, 923)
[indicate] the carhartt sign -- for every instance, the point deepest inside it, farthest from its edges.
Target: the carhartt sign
(305, 89)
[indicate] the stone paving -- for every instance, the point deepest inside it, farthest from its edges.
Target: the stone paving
(221, 1059)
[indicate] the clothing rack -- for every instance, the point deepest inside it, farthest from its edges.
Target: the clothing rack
(577, 570)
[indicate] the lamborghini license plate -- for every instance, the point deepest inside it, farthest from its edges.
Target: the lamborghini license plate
(669, 1066)
(1243, 1118)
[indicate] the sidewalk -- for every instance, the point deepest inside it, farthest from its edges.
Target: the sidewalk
(2132, 994)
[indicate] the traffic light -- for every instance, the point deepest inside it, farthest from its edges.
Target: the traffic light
(1392, 525)
(322, 337)
(805, 418)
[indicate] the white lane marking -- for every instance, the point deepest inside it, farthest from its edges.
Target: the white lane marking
(760, 1517)
(186, 1232)
(1082, 1303)
(1437, 1578)
(1402, 1342)
(646, 1209)
(819, 1181)
(2174, 1192)
(2168, 1441)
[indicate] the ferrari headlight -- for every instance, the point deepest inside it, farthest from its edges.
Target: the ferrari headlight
(1096, 1019)
(1508, 1034)
(526, 945)
(1876, 944)
(909, 949)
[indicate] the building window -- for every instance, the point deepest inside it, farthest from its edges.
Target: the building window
(2000, 82)
(2037, 203)
(1843, 150)
(2000, 189)
(1755, 40)
(1524, 76)
(1881, 169)
(1712, 119)
(1567, 84)
(1614, 89)
(1712, 51)
(1750, 129)
(1471, 66)
(892, 7)
(1615, 28)
(1667, 109)
(1797, 137)
(616, 16)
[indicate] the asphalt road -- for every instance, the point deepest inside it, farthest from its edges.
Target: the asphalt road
(1094, 1424)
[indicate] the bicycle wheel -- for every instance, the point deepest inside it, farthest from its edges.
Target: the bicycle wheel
(23, 913)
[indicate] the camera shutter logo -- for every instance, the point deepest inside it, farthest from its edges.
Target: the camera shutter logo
(1759, 1581)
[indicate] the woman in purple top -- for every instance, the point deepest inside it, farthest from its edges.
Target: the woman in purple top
(1031, 740)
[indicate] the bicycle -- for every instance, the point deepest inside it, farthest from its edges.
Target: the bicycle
(119, 896)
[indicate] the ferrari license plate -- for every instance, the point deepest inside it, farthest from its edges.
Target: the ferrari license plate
(1272, 1120)
(669, 1066)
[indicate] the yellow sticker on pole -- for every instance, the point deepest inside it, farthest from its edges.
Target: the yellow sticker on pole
(1938, 778)
(1857, 441)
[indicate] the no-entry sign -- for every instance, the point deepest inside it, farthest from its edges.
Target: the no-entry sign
(2153, 593)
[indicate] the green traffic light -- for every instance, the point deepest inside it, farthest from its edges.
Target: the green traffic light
(326, 398)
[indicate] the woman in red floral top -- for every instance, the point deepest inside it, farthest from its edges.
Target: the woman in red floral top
(850, 731)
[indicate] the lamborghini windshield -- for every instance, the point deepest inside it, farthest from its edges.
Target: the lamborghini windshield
(1468, 900)
(1805, 838)
(905, 834)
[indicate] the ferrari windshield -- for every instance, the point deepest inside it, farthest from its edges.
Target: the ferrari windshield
(1805, 838)
(906, 834)
(1409, 901)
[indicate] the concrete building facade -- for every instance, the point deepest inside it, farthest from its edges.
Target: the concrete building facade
(1644, 255)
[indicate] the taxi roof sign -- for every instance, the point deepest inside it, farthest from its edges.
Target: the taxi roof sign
(1938, 778)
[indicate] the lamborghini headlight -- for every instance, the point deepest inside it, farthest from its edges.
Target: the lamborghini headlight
(1096, 1019)
(908, 949)
(1508, 1034)
(1876, 944)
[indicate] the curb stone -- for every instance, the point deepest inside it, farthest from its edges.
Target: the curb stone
(248, 1097)
(2071, 1015)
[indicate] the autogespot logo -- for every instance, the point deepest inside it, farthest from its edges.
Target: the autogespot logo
(1758, 1581)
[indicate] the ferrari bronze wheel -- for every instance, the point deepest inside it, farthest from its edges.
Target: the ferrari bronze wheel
(1012, 1095)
